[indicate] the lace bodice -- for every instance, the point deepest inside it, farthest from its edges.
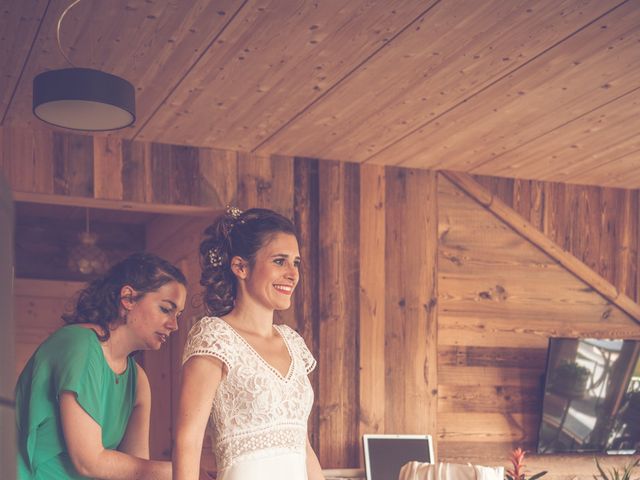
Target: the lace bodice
(256, 411)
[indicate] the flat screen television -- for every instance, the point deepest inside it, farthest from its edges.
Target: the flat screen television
(591, 399)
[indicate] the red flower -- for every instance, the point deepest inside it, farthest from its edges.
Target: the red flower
(517, 460)
(517, 473)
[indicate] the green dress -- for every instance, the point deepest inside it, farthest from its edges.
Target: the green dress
(69, 360)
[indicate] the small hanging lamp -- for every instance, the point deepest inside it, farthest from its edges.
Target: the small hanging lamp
(86, 257)
(83, 98)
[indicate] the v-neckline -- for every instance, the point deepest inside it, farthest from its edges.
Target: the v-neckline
(261, 358)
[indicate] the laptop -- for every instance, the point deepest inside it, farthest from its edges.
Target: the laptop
(384, 455)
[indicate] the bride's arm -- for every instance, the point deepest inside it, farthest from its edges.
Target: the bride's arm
(201, 376)
(314, 471)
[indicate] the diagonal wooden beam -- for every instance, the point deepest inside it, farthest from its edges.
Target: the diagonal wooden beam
(509, 216)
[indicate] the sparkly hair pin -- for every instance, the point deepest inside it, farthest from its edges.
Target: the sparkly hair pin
(215, 259)
(232, 215)
(233, 212)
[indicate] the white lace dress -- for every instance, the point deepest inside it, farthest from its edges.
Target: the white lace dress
(258, 416)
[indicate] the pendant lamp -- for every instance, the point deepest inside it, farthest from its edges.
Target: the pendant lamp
(83, 98)
(86, 257)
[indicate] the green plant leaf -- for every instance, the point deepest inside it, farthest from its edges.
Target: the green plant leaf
(602, 472)
(538, 475)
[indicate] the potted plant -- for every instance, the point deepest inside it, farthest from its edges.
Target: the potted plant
(517, 472)
(615, 473)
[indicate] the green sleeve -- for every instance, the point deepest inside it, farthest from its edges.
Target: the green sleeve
(79, 368)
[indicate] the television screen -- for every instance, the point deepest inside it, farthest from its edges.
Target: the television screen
(591, 397)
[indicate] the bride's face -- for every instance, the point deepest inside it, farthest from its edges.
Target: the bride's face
(272, 277)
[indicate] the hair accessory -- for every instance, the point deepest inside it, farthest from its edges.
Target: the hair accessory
(215, 259)
(234, 212)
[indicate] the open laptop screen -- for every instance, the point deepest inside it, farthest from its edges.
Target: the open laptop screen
(384, 455)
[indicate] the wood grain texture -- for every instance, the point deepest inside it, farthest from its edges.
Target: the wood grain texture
(546, 91)
(338, 287)
(541, 241)
(372, 299)
(161, 172)
(218, 177)
(501, 298)
(307, 297)
(487, 427)
(464, 138)
(38, 306)
(489, 399)
(136, 172)
(571, 151)
(19, 23)
(594, 224)
(185, 176)
(245, 77)
(41, 162)
(107, 167)
(28, 159)
(394, 115)
(411, 301)
(73, 165)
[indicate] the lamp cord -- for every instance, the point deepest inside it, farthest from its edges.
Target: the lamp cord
(73, 4)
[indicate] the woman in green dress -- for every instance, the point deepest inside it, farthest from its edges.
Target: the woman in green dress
(82, 402)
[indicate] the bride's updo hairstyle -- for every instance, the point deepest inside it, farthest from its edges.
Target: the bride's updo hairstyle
(234, 234)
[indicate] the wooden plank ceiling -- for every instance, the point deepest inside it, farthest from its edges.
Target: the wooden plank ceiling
(545, 89)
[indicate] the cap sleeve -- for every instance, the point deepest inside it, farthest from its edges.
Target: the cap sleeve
(79, 368)
(300, 348)
(208, 336)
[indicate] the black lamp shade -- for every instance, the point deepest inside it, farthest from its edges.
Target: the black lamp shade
(84, 99)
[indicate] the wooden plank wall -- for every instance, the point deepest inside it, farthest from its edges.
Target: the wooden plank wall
(398, 345)
(602, 233)
(38, 305)
(500, 300)
(46, 162)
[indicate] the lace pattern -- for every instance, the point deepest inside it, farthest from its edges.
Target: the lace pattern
(256, 444)
(255, 408)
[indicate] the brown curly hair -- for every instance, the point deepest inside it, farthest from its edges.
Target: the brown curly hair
(99, 303)
(230, 235)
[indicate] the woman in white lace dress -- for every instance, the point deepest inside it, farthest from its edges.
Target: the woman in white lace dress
(245, 374)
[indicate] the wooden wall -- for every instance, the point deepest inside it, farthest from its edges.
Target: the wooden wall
(501, 298)
(38, 305)
(599, 226)
(402, 316)
(106, 168)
